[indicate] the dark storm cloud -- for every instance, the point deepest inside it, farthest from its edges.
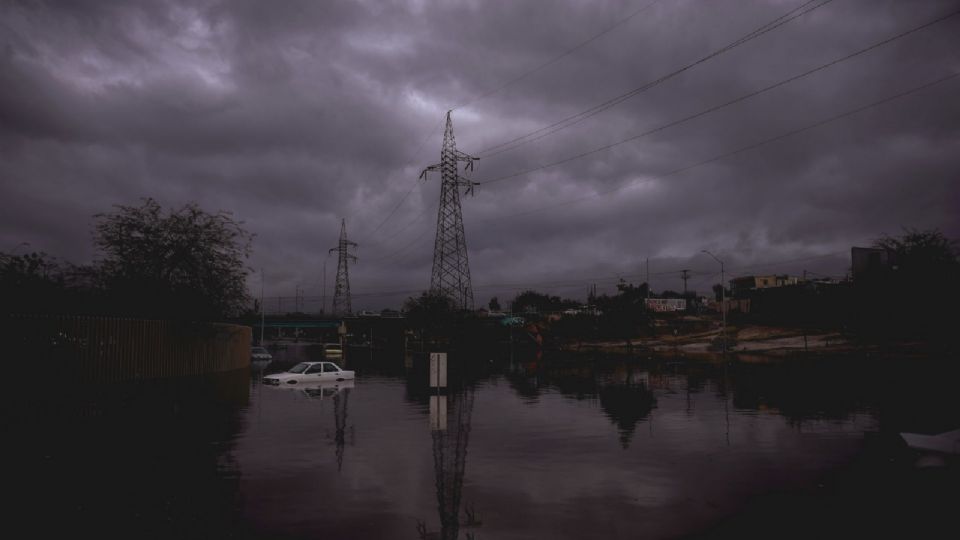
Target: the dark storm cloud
(295, 114)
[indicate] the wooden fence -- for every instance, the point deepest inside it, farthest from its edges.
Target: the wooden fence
(107, 350)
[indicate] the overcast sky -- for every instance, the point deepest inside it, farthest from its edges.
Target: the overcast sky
(293, 115)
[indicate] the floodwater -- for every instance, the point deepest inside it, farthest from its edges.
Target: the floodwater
(519, 446)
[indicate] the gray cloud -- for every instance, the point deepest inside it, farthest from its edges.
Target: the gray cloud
(295, 114)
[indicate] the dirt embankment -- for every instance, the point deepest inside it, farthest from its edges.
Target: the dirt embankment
(748, 339)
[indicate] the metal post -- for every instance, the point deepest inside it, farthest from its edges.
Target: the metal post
(723, 299)
(262, 316)
(648, 278)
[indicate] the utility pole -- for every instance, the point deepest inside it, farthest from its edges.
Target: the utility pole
(723, 299)
(648, 278)
(685, 275)
(262, 316)
(341, 293)
(451, 269)
(323, 307)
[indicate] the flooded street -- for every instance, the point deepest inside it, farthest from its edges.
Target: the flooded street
(550, 447)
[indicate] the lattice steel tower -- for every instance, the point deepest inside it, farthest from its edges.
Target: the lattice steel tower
(341, 294)
(451, 269)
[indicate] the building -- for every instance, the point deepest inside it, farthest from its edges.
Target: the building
(865, 261)
(741, 286)
(666, 304)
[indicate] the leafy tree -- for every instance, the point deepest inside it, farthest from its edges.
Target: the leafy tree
(31, 283)
(533, 301)
(914, 296)
(920, 253)
(431, 310)
(624, 314)
(494, 304)
(184, 263)
(718, 292)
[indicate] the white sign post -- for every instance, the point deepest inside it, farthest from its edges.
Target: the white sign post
(438, 413)
(438, 370)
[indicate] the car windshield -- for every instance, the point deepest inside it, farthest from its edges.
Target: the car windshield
(299, 368)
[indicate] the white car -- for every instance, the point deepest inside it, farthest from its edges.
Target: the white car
(309, 372)
(259, 353)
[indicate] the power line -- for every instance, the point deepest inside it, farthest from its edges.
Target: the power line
(558, 57)
(415, 184)
(725, 154)
(734, 152)
(516, 142)
(765, 28)
(727, 103)
(402, 249)
(579, 281)
(506, 84)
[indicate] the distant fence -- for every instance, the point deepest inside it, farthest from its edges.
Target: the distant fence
(106, 350)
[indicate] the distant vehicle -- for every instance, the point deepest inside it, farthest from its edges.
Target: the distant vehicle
(332, 350)
(259, 353)
(309, 372)
(944, 443)
(366, 313)
(513, 321)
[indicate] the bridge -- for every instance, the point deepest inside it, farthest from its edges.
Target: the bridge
(370, 331)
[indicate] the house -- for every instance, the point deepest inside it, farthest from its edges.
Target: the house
(866, 261)
(741, 286)
(666, 304)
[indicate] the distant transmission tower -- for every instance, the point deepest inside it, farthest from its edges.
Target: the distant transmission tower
(451, 269)
(341, 294)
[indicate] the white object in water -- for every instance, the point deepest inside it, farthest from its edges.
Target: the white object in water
(944, 443)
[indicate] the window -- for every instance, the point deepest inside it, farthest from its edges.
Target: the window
(327, 368)
(299, 368)
(316, 368)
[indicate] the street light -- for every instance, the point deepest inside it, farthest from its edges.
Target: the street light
(262, 314)
(723, 298)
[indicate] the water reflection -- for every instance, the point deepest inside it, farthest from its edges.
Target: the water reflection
(627, 400)
(450, 418)
(147, 460)
(341, 405)
(559, 446)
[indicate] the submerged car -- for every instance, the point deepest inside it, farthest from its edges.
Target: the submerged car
(309, 372)
(259, 353)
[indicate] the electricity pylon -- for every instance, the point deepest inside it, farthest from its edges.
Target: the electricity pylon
(451, 269)
(341, 294)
